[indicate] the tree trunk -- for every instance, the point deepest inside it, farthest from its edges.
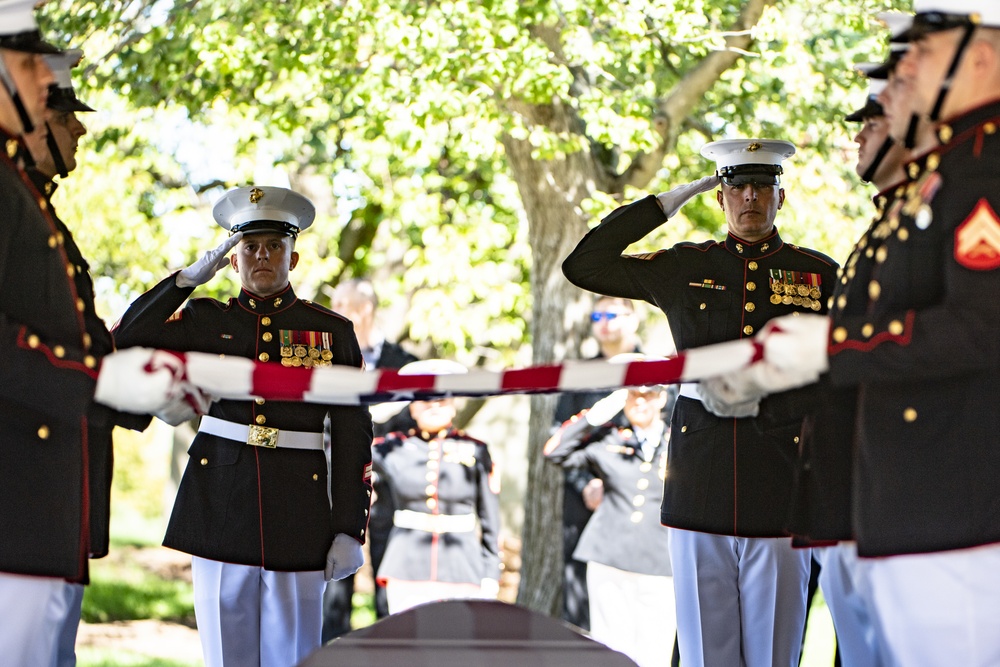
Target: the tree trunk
(551, 191)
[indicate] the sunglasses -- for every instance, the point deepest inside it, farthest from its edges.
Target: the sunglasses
(599, 315)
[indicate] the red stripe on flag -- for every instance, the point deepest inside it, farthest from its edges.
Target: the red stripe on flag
(392, 381)
(536, 378)
(660, 371)
(275, 382)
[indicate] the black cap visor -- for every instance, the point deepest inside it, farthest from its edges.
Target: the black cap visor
(750, 174)
(925, 23)
(871, 109)
(29, 42)
(64, 99)
(266, 226)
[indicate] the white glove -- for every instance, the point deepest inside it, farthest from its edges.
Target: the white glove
(672, 201)
(140, 380)
(489, 589)
(731, 395)
(191, 404)
(797, 345)
(344, 557)
(205, 268)
(605, 409)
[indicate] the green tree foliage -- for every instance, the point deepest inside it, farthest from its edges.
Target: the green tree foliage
(457, 149)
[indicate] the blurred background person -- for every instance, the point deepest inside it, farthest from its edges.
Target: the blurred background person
(614, 324)
(445, 487)
(624, 546)
(357, 300)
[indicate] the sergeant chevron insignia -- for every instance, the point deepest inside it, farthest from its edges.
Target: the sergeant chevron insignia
(977, 239)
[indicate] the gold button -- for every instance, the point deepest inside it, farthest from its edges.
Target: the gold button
(432, 464)
(851, 272)
(315, 477)
(796, 440)
(43, 432)
(642, 484)
(702, 307)
(431, 503)
(366, 512)
(59, 351)
(874, 290)
(933, 161)
(430, 490)
(839, 335)
(869, 253)
(33, 341)
(684, 429)
(840, 271)
(903, 234)
(636, 517)
(945, 133)
(42, 204)
(260, 419)
(89, 361)
(638, 501)
(259, 401)
(752, 266)
(204, 462)
(842, 301)
(989, 128)
(750, 307)
(53, 241)
(881, 254)
(909, 415)
(369, 493)
(70, 271)
(431, 476)
(914, 170)
(86, 341)
(645, 466)
(80, 305)
(433, 455)
(896, 328)
(264, 356)
(267, 337)
(867, 330)
(748, 329)
(266, 321)
(362, 532)
(829, 304)
(11, 148)
(751, 286)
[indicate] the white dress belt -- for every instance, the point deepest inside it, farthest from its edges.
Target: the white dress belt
(434, 523)
(261, 436)
(690, 390)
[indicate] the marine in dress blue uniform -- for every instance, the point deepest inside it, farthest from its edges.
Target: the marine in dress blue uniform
(260, 503)
(624, 545)
(821, 512)
(55, 485)
(920, 347)
(444, 542)
(728, 490)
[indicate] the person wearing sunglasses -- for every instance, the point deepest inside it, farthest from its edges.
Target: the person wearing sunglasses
(614, 324)
(740, 586)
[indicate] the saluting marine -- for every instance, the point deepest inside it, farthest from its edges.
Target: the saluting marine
(444, 541)
(727, 496)
(259, 506)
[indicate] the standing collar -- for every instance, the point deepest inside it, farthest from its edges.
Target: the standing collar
(756, 249)
(267, 305)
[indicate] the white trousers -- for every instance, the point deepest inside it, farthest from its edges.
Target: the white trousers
(32, 612)
(741, 601)
(251, 617)
(940, 609)
(632, 613)
(66, 656)
(845, 582)
(401, 594)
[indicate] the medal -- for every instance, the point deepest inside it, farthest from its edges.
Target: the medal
(775, 299)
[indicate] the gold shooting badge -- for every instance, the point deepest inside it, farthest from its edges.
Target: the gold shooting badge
(286, 344)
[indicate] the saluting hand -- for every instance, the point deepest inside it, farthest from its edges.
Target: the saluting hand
(672, 201)
(205, 268)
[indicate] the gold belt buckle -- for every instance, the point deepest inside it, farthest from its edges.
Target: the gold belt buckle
(262, 436)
